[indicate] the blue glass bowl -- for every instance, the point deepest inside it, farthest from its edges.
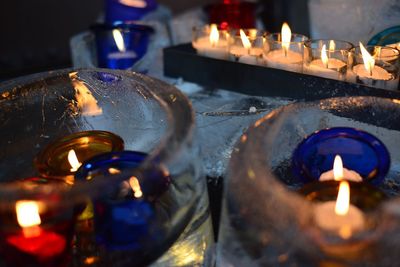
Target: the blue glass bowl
(136, 39)
(360, 152)
(122, 218)
(128, 10)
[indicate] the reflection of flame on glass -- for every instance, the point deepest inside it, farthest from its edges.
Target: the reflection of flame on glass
(369, 61)
(134, 183)
(245, 40)
(73, 161)
(86, 101)
(324, 56)
(28, 217)
(119, 40)
(134, 3)
(286, 37)
(214, 35)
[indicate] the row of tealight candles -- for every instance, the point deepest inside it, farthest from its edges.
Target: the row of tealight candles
(375, 66)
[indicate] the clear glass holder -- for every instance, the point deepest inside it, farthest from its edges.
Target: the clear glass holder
(329, 63)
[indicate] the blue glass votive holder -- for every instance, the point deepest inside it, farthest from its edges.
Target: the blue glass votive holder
(360, 151)
(121, 45)
(124, 216)
(128, 10)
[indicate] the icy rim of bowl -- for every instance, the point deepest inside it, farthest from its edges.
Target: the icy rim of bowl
(179, 132)
(272, 211)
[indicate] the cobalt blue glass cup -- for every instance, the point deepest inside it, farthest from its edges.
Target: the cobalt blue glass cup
(125, 215)
(360, 151)
(128, 10)
(121, 45)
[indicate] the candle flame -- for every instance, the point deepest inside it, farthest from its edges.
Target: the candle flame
(73, 161)
(286, 37)
(28, 217)
(332, 46)
(214, 35)
(324, 56)
(134, 183)
(369, 61)
(338, 168)
(245, 40)
(119, 40)
(343, 199)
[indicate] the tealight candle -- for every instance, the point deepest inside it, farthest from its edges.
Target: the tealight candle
(41, 235)
(339, 218)
(320, 61)
(364, 155)
(121, 45)
(211, 42)
(343, 172)
(285, 50)
(64, 156)
(368, 72)
(246, 49)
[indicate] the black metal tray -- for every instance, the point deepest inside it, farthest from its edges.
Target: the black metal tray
(182, 61)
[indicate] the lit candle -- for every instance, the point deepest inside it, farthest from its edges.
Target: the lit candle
(283, 57)
(327, 67)
(211, 46)
(34, 245)
(370, 74)
(246, 53)
(341, 172)
(123, 58)
(62, 158)
(340, 217)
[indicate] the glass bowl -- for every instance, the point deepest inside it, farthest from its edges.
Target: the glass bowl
(266, 221)
(150, 116)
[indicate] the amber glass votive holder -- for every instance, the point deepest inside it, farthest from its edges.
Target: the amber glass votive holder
(326, 58)
(53, 160)
(363, 196)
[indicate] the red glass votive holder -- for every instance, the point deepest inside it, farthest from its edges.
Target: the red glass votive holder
(54, 160)
(37, 230)
(233, 15)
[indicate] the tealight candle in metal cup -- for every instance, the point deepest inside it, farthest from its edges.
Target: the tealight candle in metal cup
(375, 66)
(285, 50)
(37, 230)
(326, 58)
(361, 152)
(342, 236)
(63, 157)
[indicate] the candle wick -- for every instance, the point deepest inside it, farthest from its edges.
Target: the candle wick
(285, 51)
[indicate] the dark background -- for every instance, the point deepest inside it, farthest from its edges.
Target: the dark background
(35, 34)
